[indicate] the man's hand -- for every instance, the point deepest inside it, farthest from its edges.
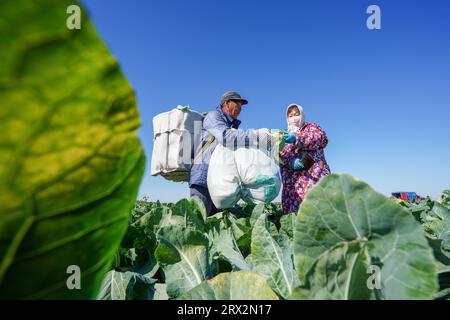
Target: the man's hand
(289, 137)
(296, 164)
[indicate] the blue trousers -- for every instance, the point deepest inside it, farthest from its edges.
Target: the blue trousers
(203, 194)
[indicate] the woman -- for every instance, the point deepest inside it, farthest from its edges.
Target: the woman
(302, 158)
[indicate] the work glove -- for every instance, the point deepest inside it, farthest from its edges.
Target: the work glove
(296, 164)
(289, 137)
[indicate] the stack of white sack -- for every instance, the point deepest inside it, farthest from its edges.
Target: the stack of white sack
(176, 135)
(250, 174)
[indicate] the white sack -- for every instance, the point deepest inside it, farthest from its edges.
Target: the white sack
(247, 173)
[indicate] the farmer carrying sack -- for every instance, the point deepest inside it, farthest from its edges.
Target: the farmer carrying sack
(176, 133)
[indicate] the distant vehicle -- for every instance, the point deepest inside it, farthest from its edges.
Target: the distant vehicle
(407, 196)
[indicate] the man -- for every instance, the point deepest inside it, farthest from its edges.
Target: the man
(219, 126)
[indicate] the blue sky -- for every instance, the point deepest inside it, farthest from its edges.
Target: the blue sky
(382, 96)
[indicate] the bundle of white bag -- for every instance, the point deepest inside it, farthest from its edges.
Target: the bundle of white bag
(176, 134)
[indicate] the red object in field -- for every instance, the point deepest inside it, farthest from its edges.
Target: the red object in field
(404, 196)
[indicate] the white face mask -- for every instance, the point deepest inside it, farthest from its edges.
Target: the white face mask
(295, 123)
(294, 120)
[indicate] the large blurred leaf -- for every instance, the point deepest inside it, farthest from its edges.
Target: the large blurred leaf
(341, 210)
(271, 260)
(183, 255)
(241, 285)
(70, 161)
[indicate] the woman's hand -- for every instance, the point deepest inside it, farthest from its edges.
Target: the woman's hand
(296, 164)
(289, 137)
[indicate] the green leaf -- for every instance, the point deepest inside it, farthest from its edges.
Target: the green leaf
(241, 285)
(126, 286)
(225, 247)
(272, 229)
(287, 225)
(445, 198)
(436, 223)
(157, 218)
(340, 274)
(192, 212)
(271, 260)
(444, 285)
(186, 212)
(183, 255)
(341, 210)
(115, 286)
(443, 294)
(442, 261)
(300, 293)
(183, 108)
(150, 220)
(140, 239)
(70, 160)
(240, 228)
(257, 212)
(435, 219)
(160, 292)
(244, 242)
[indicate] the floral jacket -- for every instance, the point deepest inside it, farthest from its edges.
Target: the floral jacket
(312, 139)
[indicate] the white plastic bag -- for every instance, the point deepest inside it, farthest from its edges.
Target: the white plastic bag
(249, 174)
(259, 175)
(223, 180)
